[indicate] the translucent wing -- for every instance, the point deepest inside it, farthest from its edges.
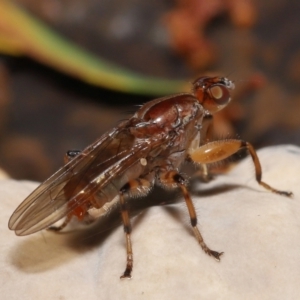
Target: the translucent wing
(72, 185)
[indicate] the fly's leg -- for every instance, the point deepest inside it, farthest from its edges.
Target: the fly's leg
(127, 230)
(80, 212)
(206, 176)
(68, 156)
(219, 150)
(173, 178)
(138, 187)
(207, 134)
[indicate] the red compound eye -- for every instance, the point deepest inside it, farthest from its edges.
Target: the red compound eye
(220, 94)
(213, 93)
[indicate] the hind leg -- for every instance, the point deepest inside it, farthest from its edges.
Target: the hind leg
(174, 179)
(138, 187)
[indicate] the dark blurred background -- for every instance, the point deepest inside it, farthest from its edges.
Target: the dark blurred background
(44, 113)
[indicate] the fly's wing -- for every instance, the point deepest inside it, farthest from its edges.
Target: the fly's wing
(73, 184)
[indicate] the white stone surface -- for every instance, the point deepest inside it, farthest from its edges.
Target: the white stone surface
(258, 231)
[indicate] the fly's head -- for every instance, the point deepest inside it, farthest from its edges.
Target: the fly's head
(213, 93)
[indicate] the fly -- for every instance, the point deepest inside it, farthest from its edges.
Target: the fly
(127, 161)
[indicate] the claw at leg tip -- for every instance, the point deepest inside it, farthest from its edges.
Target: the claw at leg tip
(287, 194)
(217, 255)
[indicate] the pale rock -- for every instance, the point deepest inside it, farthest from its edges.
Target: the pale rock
(258, 231)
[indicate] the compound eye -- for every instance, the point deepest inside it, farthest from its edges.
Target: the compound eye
(217, 97)
(220, 94)
(213, 93)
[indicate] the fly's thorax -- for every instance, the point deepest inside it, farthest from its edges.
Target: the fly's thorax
(180, 140)
(165, 115)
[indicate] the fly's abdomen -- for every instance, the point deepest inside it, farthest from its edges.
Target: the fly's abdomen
(108, 193)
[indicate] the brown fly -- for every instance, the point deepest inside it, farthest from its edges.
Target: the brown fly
(148, 148)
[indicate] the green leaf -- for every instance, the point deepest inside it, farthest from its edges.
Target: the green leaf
(22, 34)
